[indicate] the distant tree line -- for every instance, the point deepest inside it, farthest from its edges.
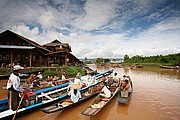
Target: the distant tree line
(102, 60)
(97, 60)
(171, 59)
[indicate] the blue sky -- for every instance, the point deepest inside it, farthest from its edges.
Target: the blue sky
(98, 28)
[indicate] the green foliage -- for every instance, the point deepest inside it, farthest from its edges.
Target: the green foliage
(71, 71)
(51, 73)
(99, 60)
(171, 59)
(126, 58)
(106, 60)
(87, 62)
(5, 71)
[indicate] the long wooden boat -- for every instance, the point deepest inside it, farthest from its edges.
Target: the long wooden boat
(122, 99)
(170, 67)
(87, 93)
(38, 101)
(63, 104)
(43, 98)
(99, 102)
(89, 70)
(4, 103)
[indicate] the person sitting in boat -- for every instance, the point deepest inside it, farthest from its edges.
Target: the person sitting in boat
(115, 78)
(78, 75)
(125, 85)
(13, 87)
(77, 80)
(74, 93)
(63, 77)
(105, 91)
(123, 78)
(125, 88)
(36, 83)
(39, 76)
(31, 78)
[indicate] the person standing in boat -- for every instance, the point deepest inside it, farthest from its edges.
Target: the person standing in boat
(13, 87)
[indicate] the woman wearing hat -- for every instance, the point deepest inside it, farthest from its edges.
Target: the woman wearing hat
(74, 93)
(13, 87)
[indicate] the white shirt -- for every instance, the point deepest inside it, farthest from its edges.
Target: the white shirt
(106, 91)
(39, 76)
(116, 78)
(63, 77)
(15, 81)
(77, 81)
(74, 97)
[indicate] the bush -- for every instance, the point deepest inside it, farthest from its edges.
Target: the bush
(51, 73)
(71, 71)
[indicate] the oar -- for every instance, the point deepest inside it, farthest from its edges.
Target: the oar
(18, 106)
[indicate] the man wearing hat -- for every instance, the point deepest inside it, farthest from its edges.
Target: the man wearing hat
(13, 87)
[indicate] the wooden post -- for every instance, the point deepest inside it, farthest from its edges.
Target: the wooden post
(11, 57)
(48, 61)
(65, 59)
(30, 58)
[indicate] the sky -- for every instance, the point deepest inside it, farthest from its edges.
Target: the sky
(98, 28)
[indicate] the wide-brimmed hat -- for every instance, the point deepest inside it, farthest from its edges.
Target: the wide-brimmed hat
(18, 67)
(75, 86)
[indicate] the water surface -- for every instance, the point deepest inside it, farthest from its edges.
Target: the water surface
(156, 96)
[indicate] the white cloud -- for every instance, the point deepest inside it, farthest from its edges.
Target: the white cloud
(77, 24)
(98, 13)
(47, 19)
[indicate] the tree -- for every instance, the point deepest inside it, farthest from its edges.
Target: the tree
(99, 60)
(126, 57)
(106, 60)
(85, 59)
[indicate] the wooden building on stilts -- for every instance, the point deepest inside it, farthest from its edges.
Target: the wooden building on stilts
(16, 49)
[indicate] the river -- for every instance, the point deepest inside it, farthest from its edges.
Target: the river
(156, 96)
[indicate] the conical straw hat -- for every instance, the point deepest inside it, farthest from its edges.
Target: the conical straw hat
(75, 86)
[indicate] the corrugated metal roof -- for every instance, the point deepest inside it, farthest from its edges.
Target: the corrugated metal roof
(16, 47)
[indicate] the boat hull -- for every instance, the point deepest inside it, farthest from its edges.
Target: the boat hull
(92, 110)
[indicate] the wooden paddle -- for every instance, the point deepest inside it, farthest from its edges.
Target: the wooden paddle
(18, 106)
